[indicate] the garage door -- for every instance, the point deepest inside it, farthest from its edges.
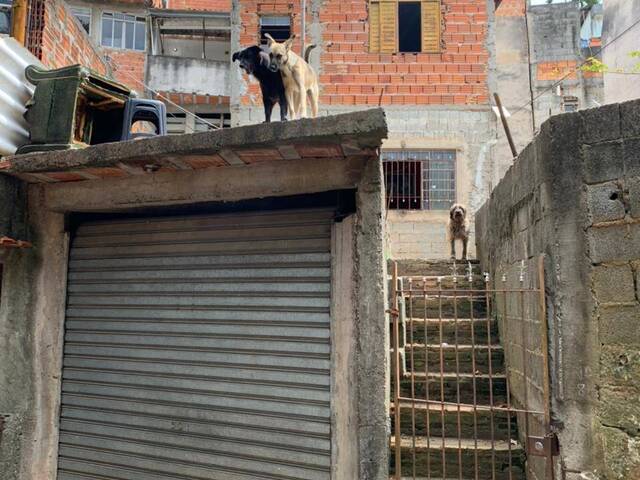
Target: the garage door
(197, 347)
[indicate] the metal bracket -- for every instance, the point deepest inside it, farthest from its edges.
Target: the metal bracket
(547, 446)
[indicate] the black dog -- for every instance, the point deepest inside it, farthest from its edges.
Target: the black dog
(256, 62)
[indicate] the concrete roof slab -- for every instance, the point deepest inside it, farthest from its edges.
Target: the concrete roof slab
(338, 136)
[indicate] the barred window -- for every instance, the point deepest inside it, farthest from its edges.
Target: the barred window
(420, 179)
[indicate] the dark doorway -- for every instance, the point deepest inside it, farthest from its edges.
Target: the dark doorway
(409, 37)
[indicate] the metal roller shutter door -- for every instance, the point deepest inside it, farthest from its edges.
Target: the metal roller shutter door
(197, 347)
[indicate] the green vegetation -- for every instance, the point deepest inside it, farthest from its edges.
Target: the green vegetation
(595, 65)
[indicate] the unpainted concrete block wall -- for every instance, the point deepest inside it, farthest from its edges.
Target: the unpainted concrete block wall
(573, 196)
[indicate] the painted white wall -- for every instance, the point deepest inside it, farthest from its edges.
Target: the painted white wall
(171, 74)
(619, 15)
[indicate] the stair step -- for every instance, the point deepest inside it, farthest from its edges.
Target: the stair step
(415, 358)
(464, 382)
(466, 458)
(474, 423)
(445, 306)
(449, 326)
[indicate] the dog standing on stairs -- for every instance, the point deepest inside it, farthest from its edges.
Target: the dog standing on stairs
(300, 80)
(458, 229)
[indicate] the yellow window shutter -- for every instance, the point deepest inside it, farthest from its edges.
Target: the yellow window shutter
(431, 25)
(374, 27)
(388, 26)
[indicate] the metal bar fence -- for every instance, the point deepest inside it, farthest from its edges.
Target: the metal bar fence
(472, 401)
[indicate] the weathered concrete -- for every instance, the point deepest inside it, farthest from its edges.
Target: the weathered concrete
(13, 209)
(34, 291)
(567, 197)
(372, 371)
(470, 131)
(363, 129)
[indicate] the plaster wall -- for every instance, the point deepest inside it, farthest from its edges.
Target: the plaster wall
(619, 16)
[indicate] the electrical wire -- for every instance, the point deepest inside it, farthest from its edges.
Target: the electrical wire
(570, 72)
(140, 82)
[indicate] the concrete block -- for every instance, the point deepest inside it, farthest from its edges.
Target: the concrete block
(616, 410)
(630, 119)
(620, 366)
(603, 162)
(614, 242)
(613, 284)
(600, 124)
(636, 270)
(604, 202)
(631, 157)
(619, 324)
(633, 185)
(621, 461)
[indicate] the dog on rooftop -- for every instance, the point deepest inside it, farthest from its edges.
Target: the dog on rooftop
(256, 61)
(458, 229)
(300, 80)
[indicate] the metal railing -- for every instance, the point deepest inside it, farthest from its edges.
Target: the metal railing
(470, 381)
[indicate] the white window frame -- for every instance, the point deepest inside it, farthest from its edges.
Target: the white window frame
(128, 21)
(82, 12)
(394, 159)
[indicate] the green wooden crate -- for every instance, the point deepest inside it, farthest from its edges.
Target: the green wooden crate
(73, 107)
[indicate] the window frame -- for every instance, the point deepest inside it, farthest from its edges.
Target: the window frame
(377, 26)
(262, 41)
(78, 12)
(426, 160)
(136, 22)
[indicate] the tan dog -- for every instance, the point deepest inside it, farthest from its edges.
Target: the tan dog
(300, 80)
(458, 229)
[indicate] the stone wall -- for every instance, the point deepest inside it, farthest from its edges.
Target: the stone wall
(573, 195)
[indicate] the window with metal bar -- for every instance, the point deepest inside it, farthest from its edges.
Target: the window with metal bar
(420, 179)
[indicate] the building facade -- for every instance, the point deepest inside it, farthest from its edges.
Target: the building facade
(433, 66)
(427, 64)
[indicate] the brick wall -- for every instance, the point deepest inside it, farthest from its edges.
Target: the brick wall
(61, 41)
(573, 195)
(350, 75)
(128, 67)
(511, 8)
(212, 5)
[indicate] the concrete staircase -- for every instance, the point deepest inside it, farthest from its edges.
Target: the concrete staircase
(448, 349)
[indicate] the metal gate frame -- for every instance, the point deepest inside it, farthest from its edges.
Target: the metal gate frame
(540, 443)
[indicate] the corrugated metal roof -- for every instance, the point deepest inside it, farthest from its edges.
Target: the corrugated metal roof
(15, 91)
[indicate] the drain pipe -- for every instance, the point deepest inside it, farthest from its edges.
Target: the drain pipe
(19, 21)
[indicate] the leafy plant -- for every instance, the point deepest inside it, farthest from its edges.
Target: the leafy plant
(594, 65)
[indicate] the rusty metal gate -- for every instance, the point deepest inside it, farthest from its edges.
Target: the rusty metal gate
(470, 381)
